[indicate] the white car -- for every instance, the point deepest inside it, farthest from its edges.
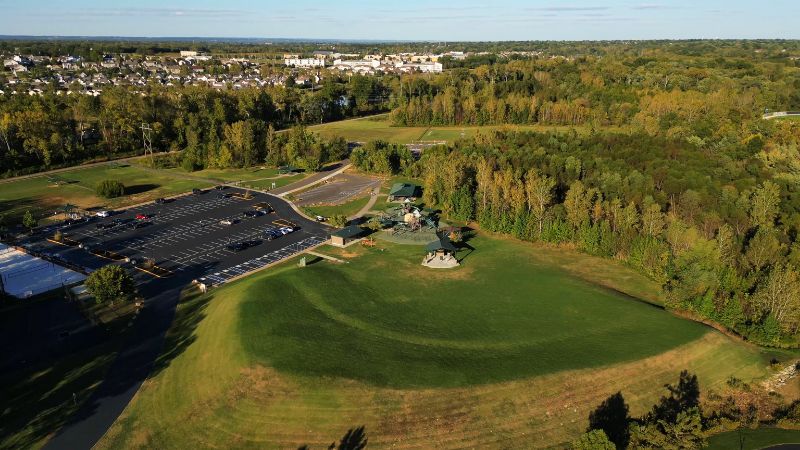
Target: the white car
(102, 213)
(226, 222)
(285, 230)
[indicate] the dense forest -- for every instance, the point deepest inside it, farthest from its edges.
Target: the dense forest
(717, 227)
(659, 91)
(216, 128)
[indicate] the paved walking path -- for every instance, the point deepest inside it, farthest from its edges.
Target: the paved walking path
(368, 207)
(324, 256)
(307, 182)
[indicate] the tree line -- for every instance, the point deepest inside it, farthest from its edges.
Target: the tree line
(717, 229)
(216, 128)
(665, 91)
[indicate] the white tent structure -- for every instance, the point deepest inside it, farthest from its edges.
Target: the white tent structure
(23, 275)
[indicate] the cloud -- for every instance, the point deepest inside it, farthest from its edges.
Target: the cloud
(570, 8)
(161, 12)
(651, 7)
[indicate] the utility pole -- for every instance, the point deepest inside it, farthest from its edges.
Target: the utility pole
(147, 139)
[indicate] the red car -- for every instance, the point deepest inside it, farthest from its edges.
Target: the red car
(142, 217)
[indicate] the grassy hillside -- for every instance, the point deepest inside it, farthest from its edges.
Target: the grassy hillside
(509, 350)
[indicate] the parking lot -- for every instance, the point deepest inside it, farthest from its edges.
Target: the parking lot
(205, 235)
(339, 189)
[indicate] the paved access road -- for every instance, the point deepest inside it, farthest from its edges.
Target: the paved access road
(187, 237)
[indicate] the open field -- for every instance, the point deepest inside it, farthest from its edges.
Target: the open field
(753, 439)
(476, 357)
(42, 196)
(263, 175)
(346, 209)
(380, 127)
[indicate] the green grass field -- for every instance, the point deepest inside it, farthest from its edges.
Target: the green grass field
(509, 350)
(499, 318)
(279, 181)
(228, 175)
(42, 196)
(347, 208)
(753, 439)
(379, 127)
(792, 118)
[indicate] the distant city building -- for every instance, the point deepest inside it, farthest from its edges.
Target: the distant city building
(304, 62)
(354, 63)
(323, 54)
(425, 67)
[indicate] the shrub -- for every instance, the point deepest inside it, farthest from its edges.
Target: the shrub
(110, 189)
(111, 283)
(338, 220)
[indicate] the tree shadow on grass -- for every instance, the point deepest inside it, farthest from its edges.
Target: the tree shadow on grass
(38, 405)
(140, 188)
(157, 336)
(190, 313)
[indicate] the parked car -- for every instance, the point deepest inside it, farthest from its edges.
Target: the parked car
(160, 201)
(220, 187)
(142, 216)
(272, 234)
(105, 225)
(286, 230)
(236, 246)
(140, 224)
(243, 245)
(102, 213)
(122, 221)
(253, 213)
(226, 222)
(197, 191)
(321, 218)
(225, 195)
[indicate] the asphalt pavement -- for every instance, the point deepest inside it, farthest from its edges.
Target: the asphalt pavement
(185, 236)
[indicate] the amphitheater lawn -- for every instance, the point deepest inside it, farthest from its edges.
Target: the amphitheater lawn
(511, 349)
(504, 315)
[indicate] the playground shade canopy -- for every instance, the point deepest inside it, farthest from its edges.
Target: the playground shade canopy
(404, 190)
(349, 232)
(442, 243)
(24, 275)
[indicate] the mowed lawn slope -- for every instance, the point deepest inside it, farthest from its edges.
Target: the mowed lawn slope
(508, 350)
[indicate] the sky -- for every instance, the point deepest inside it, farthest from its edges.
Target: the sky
(432, 20)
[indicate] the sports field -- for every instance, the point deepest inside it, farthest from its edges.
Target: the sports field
(510, 349)
(42, 194)
(379, 127)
